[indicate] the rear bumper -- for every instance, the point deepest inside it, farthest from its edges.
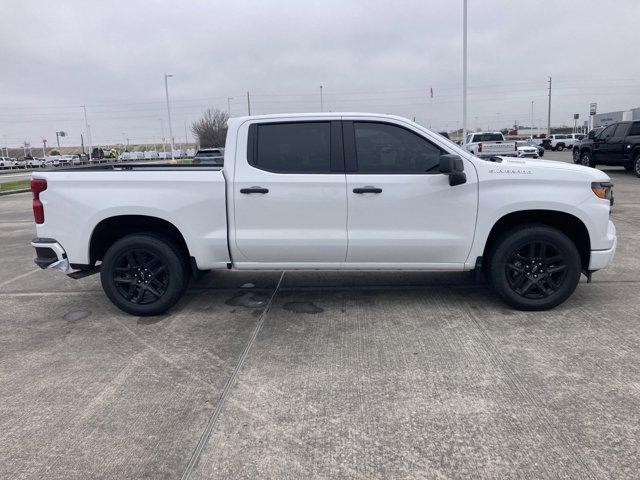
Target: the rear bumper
(603, 258)
(50, 254)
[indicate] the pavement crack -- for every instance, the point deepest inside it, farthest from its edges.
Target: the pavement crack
(213, 419)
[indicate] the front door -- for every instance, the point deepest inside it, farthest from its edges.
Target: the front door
(402, 211)
(289, 195)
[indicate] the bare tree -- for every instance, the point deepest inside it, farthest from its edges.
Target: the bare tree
(211, 129)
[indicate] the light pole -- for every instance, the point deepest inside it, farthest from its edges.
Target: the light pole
(86, 125)
(229, 105)
(321, 100)
(464, 69)
(166, 91)
(164, 143)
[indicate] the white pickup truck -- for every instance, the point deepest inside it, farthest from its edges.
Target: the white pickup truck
(327, 191)
(490, 144)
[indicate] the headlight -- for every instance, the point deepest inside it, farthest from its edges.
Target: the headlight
(603, 190)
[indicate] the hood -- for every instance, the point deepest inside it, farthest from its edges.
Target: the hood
(552, 165)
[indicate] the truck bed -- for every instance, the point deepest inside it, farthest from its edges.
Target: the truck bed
(192, 198)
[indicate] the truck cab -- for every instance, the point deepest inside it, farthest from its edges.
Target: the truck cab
(615, 144)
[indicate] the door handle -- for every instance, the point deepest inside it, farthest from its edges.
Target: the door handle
(254, 190)
(367, 189)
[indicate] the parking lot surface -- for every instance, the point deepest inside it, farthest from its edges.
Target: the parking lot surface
(319, 375)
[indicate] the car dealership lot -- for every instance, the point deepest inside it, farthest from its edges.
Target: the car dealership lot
(317, 375)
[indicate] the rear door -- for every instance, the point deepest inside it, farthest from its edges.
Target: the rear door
(402, 212)
(615, 144)
(289, 195)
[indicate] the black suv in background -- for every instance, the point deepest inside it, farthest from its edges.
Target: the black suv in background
(615, 144)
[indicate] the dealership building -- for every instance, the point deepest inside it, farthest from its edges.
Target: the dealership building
(602, 119)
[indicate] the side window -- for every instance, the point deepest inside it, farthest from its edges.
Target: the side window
(608, 132)
(301, 147)
(635, 129)
(385, 148)
(621, 130)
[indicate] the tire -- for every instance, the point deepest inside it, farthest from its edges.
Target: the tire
(636, 165)
(576, 155)
(143, 274)
(560, 147)
(587, 160)
(534, 278)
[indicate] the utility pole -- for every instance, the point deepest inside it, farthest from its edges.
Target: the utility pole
(82, 142)
(186, 143)
(464, 70)
(321, 100)
(531, 118)
(166, 91)
(86, 124)
(248, 104)
(549, 111)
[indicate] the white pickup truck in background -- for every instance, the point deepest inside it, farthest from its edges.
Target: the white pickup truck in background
(327, 191)
(490, 144)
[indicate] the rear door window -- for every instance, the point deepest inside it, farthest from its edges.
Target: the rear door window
(297, 147)
(621, 130)
(635, 129)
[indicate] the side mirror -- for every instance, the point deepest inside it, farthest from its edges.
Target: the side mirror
(592, 135)
(453, 166)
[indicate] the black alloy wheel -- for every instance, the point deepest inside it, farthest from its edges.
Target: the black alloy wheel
(140, 276)
(536, 270)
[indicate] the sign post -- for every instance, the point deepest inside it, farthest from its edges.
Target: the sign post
(593, 108)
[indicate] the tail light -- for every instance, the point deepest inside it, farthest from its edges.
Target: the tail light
(479, 148)
(38, 185)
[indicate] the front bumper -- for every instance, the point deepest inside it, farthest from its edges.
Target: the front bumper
(50, 254)
(602, 258)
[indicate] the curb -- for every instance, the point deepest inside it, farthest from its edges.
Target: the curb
(24, 190)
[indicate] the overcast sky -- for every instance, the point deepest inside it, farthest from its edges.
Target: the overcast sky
(376, 56)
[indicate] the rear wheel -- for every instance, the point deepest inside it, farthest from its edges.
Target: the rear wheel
(587, 160)
(576, 155)
(143, 274)
(560, 147)
(534, 267)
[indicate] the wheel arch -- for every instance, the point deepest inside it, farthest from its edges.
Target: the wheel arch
(112, 229)
(565, 222)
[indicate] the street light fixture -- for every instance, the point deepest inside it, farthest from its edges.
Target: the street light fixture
(166, 90)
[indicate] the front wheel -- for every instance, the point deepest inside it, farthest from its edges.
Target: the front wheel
(587, 160)
(576, 156)
(636, 165)
(143, 274)
(534, 267)
(560, 147)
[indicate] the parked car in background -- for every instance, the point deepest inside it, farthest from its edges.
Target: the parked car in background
(190, 152)
(150, 155)
(490, 144)
(616, 144)
(527, 148)
(567, 140)
(7, 162)
(52, 161)
(209, 156)
(35, 162)
(294, 195)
